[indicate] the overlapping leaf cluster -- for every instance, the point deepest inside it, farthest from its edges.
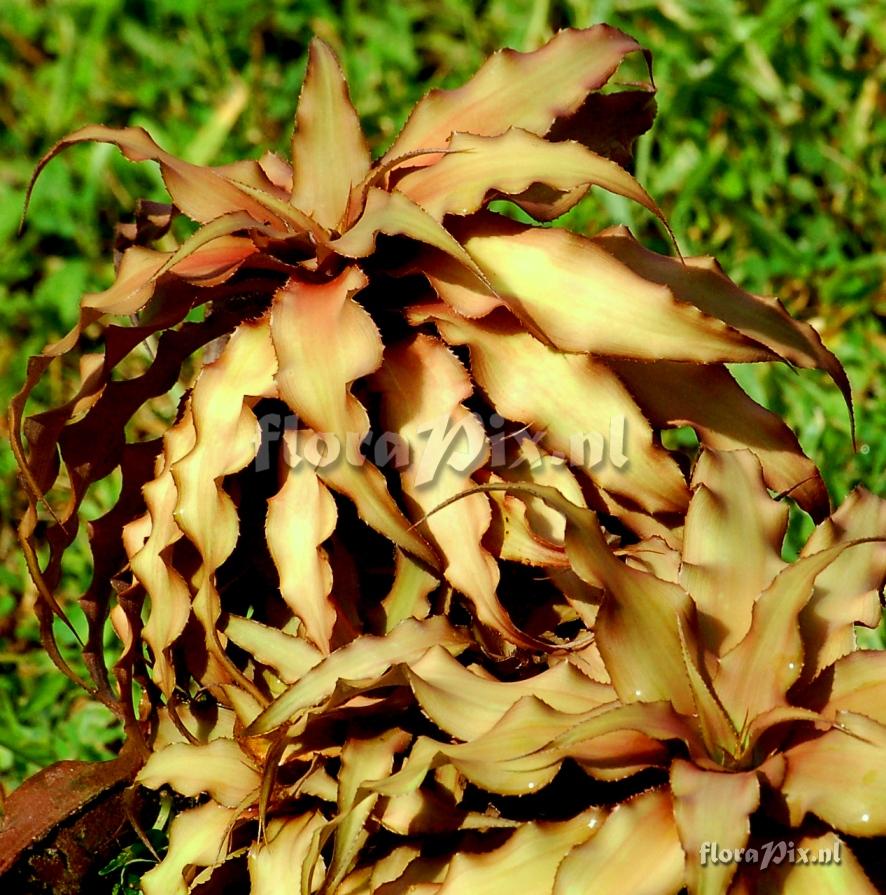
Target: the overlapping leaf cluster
(361, 679)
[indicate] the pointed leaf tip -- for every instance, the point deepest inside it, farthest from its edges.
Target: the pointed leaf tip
(329, 153)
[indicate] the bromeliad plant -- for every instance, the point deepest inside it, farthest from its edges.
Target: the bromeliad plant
(732, 670)
(349, 673)
(729, 684)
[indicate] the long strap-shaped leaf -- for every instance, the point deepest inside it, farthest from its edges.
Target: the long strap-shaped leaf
(583, 298)
(510, 164)
(701, 282)
(324, 341)
(329, 154)
(228, 438)
(201, 193)
(527, 90)
(423, 386)
(366, 657)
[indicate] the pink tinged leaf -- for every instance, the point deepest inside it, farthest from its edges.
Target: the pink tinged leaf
(840, 776)
(329, 153)
(847, 592)
(756, 675)
(523, 751)
(365, 657)
(636, 850)
(530, 383)
(701, 282)
(423, 385)
(211, 252)
(198, 837)
(583, 298)
(526, 90)
(277, 170)
(275, 863)
(621, 754)
(726, 419)
(208, 257)
(254, 174)
(731, 544)
(133, 286)
(201, 193)
(479, 168)
(301, 515)
(295, 222)
(324, 342)
(830, 868)
(214, 261)
(220, 768)
(587, 739)
(531, 855)
(711, 808)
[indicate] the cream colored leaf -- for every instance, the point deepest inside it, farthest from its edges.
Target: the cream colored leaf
(197, 837)
(636, 850)
(220, 768)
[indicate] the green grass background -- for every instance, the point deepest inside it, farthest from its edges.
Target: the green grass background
(769, 152)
